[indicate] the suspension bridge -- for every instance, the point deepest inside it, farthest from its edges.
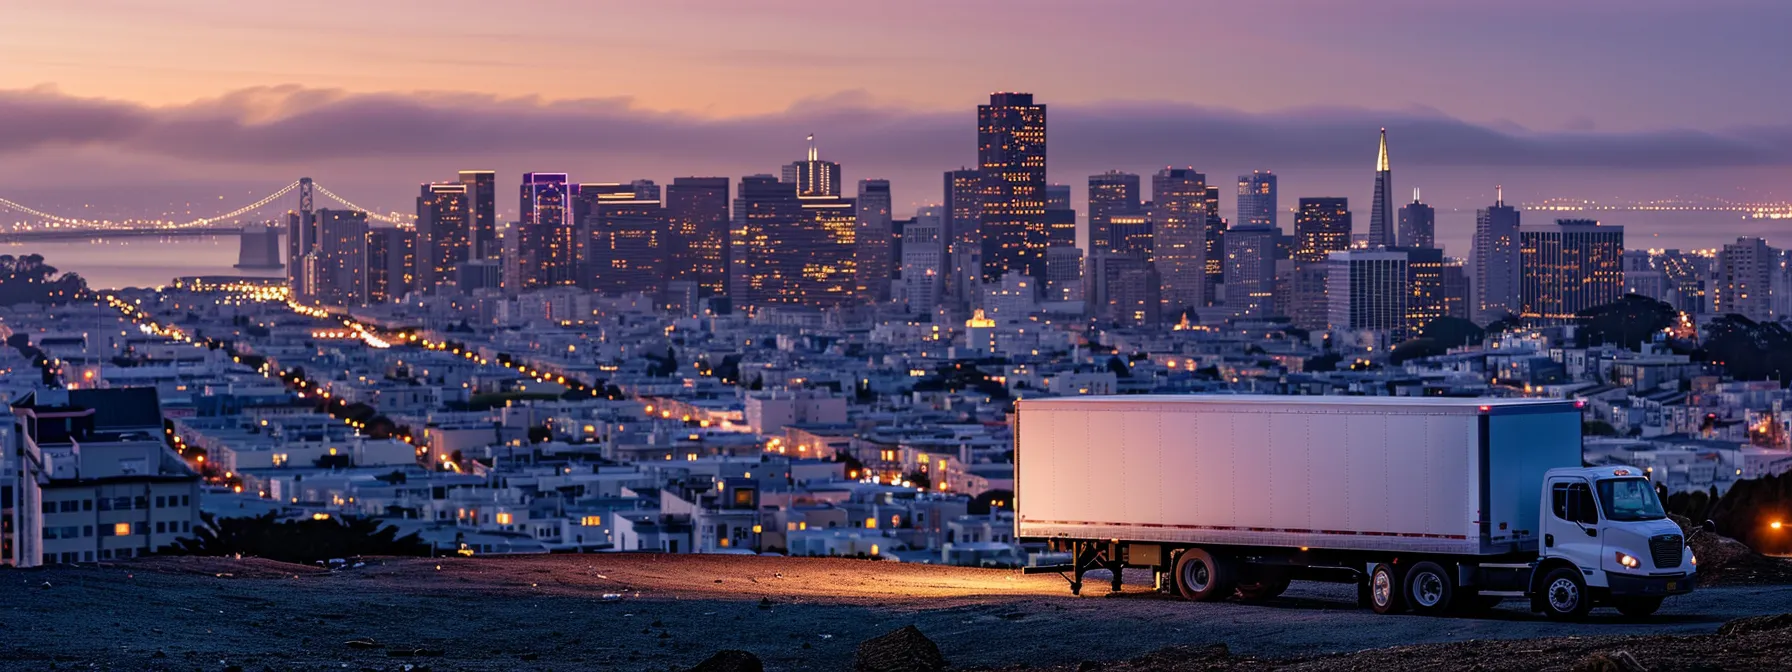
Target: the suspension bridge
(29, 223)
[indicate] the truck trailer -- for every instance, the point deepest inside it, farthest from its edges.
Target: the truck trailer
(1429, 504)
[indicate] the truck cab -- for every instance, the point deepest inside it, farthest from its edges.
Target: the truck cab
(1607, 539)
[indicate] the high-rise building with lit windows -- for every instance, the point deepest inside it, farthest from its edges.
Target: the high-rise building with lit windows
(1011, 154)
(874, 242)
(1110, 193)
(1257, 199)
(1321, 227)
(697, 211)
(1569, 266)
(625, 247)
(546, 237)
(1368, 290)
(1132, 234)
(813, 176)
(1742, 279)
(923, 259)
(391, 263)
(1418, 223)
(963, 208)
(1496, 261)
(1381, 214)
(338, 268)
(1250, 263)
(1180, 237)
(444, 232)
(482, 212)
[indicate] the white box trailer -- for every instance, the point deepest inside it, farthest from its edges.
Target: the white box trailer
(1257, 490)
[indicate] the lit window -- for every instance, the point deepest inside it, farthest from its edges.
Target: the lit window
(121, 530)
(592, 521)
(503, 519)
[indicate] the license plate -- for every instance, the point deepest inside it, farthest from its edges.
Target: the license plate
(1673, 584)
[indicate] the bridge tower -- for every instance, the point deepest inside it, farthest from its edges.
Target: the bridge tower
(301, 238)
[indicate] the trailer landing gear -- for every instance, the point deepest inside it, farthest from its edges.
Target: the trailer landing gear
(1084, 556)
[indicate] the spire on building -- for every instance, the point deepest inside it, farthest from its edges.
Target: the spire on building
(1381, 162)
(813, 156)
(1415, 194)
(1499, 195)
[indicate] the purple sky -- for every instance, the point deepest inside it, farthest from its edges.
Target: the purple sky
(1593, 98)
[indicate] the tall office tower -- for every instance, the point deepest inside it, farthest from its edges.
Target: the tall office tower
(1496, 261)
(1135, 296)
(813, 176)
(1569, 266)
(340, 260)
(765, 264)
(1742, 279)
(1688, 275)
(1250, 263)
(1011, 156)
(873, 242)
(1427, 297)
(1368, 290)
(924, 259)
(964, 235)
(482, 212)
(1102, 271)
(827, 244)
(1381, 215)
(1257, 199)
(1321, 227)
(626, 246)
(1064, 273)
(1418, 223)
(697, 210)
(391, 262)
(444, 234)
(1110, 193)
(1458, 300)
(1131, 234)
(898, 228)
(646, 190)
(1057, 197)
(1215, 252)
(546, 237)
(1179, 239)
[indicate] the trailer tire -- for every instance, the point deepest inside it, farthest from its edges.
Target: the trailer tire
(1386, 594)
(1636, 607)
(1429, 588)
(1203, 577)
(1564, 596)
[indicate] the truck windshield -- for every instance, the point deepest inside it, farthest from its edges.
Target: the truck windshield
(1629, 499)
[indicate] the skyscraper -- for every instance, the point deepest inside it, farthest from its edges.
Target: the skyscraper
(1251, 271)
(873, 242)
(1418, 223)
(1321, 227)
(1110, 193)
(338, 266)
(697, 211)
(1214, 248)
(546, 237)
(813, 176)
(1381, 215)
(1257, 199)
(1496, 261)
(1368, 290)
(625, 245)
(1057, 197)
(1011, 155)
(1569, 266)
(785, 249)
(923, 259)
(482, 212)
(1132, 233)
(1179, 245)
(1427, 296)
(444, 234)
(391, 262)
(963, 207)
(1743, 279)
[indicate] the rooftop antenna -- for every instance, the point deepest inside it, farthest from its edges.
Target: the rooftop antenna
(1415, 194)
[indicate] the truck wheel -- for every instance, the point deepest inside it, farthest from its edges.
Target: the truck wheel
(1636, 607)
(1385, 593)
(1429, 588)
(1202, 577)
(1565, 595)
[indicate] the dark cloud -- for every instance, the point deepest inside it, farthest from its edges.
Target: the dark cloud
(284, 125)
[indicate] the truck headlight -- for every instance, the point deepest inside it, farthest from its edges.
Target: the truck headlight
(1627, 561)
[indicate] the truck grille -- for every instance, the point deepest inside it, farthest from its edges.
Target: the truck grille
(1665, 550)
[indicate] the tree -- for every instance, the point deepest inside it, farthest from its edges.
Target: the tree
(1418, 348)
(1322, 363)
(1628, 322)
(307, 540)
(1505, 323)
(1453, 332)
(1120, 369)
(994, 499)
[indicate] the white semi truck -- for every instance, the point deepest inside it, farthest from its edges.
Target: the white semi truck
(1427, 504)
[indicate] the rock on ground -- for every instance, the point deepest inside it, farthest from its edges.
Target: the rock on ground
(730, 661)
(903, 650)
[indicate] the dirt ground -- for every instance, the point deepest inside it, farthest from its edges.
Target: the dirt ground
(668, 612)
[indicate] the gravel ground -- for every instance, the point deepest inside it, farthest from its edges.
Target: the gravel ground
(659, 612)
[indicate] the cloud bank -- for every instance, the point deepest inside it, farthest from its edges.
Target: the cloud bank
(292, 124)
